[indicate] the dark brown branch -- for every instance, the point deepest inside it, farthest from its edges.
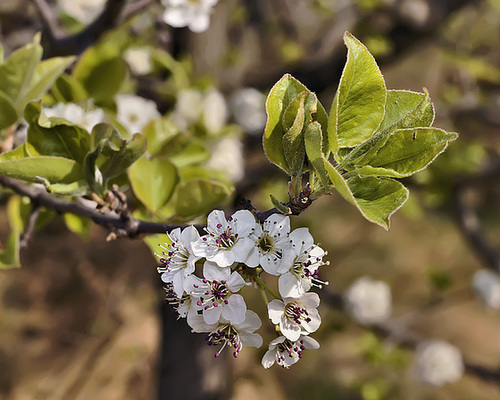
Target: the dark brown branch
(30, 226)
(123, 225)
(468, 221)
(113, 14)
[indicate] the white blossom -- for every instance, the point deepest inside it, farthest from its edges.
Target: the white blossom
(486, 283)
(139, 60)
(181, 305)
(295, 316)
(225, 333)
(248, 108)
(209, 107)
(303, 273)
(84, 11)
(195, 14)
(227, 156)
(135, 112)
(285, 352)
(369, 301)
(178, 258)
(438, 362)
(215, 294)
(227, 240)
(76, 114)
(272, 248)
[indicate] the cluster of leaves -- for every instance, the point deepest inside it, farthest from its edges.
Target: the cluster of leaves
(162, 164)
(371, 136)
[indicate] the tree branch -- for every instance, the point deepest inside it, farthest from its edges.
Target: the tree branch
(122, 225)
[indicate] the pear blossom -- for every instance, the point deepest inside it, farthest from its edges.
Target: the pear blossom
(216, 294)
(295, 316)
(76, 114)
(195, 14)
(487, 285)
(135, 112)
(181, 305)
(286, 352)
(228, 333)
(178, 258)
(188, 108)
(138, 59)
(84, 11)
(369, 301)
(227, 156)
(227, 240)
(272, 248)
(248, 109)
(438, 362)
(214, 112)
(303, 273)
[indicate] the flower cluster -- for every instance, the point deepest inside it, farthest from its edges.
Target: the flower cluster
(233, 254)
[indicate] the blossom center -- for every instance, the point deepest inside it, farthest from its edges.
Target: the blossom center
(224, 239)
(296, 313)
(227, 336)
(216, 294)
(175, 258)
(289, 349)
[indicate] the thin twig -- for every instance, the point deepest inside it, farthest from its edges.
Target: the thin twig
(30, 226)
(125, 225)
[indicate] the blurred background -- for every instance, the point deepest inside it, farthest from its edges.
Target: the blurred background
(84, 318)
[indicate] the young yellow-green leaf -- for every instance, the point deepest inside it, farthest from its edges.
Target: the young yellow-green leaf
(9, 254)
(46, 73)
(278, 100)
(54, 169)
(153, 181)
(55, 136)
(68, 89)
(199, 196)
(159, 133)
(358, 107)
(376, 198)
(18, 152)
(78, 224)
(401, 103)
(8, 113)
(313, 145)
(17, 72)
(407, 151)
(293, 139)
(101, 70)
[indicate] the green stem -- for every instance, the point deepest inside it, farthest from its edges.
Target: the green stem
(265, 286)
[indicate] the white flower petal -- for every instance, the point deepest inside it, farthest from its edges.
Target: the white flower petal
(275, 310)
(234, 311)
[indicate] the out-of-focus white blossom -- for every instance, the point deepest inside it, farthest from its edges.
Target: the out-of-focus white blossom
(227, 156)
(84, 11)
(369, 301)
(195, 14)
(135, 112)
(438, 362)
(192, 106)
(138, 59)
(486, 283)
(248, 108)
(76, 114)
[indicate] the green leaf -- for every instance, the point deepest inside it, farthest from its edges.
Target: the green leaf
(313, 145)
(407, 151)
(159, 133)
(78, 224)
(358, 107)
(9, 254)
(198, 196)
(101, 70)
(55, 136)
(401, 103)
(111, 155)
(293, 139)
(376, 198)
(69, 89)
(8, 113)
(17, 72)
(153, 181)
(17, 153)
(46, 74)
(278, 100)
(54, 169)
